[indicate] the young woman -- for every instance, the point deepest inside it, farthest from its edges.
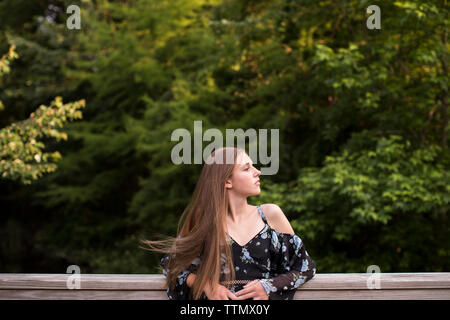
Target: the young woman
(228, 249)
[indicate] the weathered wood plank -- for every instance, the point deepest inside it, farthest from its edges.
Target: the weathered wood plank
(335, 281)
(87, 281)
(409, 294)
(337, 286)
(82, 295)
(332, 281)
(374, 294)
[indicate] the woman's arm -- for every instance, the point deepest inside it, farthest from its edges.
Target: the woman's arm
(276, 218)
(287, 282)
(297, 268)
(190, 279)
(181, 289)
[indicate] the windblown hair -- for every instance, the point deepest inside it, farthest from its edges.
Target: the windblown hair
(201, 228)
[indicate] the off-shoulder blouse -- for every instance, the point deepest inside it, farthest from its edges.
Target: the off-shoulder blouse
(278, 260)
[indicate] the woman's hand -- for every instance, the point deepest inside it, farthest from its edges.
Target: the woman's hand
(221, 293)
(253, 289)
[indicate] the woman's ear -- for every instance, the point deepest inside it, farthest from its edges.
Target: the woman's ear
(228, 184)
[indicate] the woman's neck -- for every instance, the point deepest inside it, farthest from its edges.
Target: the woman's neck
(239, 210)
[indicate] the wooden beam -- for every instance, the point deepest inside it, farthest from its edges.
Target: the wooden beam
(433, 285)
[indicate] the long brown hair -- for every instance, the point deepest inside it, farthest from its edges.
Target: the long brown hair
(201, 228)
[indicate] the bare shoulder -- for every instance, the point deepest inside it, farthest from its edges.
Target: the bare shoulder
(276, 218)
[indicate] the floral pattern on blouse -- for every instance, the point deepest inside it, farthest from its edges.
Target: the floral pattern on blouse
(279, 260)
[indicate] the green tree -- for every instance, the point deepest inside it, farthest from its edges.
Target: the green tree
(364, 161)
(22, 156)
(375, 102)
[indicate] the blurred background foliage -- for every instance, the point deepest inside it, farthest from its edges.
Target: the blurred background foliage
(363, 118)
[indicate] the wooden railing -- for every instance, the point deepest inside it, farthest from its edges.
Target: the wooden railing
(348, 286)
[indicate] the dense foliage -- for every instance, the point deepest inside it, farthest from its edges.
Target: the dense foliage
(21, 153)
(363, 117)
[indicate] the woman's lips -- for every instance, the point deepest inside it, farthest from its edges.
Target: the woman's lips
(257, 183)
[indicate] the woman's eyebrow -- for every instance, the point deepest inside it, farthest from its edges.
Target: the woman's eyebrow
(247, 164)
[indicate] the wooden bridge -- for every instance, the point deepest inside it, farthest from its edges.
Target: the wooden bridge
(331, 286)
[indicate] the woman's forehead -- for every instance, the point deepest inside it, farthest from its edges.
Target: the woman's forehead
(243, 159)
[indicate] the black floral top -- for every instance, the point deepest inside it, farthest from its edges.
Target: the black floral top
(278, 260)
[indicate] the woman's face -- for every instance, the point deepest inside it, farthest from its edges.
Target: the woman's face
(245, 177)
